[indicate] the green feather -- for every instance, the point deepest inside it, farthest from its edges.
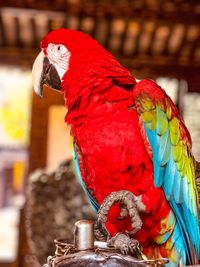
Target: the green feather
(147, 104)
(147, 116)
(174, 131)
(177, 152)
(168, 110)
(162, 121)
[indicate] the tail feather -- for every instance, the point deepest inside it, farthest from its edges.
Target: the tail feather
(190, 249)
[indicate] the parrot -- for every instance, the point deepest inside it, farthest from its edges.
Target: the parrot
(128, 135)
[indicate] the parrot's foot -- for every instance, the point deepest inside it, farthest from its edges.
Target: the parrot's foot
(131, 205)
(126, 245)
(100, 232)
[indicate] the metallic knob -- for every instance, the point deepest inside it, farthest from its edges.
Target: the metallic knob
(84, 235)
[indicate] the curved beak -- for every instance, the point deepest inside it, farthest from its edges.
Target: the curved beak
(43, 72)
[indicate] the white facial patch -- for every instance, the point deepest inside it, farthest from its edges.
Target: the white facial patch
(59, 56)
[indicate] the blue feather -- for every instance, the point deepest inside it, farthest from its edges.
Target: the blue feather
(164, 148)
(185, 192)
(169, 178)
(152, 137)
(183, 229)
(177, 192)
(95, 205)
(180, 242)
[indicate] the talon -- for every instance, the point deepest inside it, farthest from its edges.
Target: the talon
(101, 232)
(137, 225)
(133, 245)
(124, 249)
(123, 214)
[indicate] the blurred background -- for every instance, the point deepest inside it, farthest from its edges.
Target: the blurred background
(40, 197)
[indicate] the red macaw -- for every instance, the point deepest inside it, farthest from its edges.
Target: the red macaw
(128, 136)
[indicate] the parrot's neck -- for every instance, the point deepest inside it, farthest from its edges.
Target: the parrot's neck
(94, 79)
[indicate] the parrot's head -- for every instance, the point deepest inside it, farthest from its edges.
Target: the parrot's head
(58, 49)
(75, 64)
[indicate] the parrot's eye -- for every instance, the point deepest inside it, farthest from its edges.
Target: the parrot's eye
(56, 50)
(59, 56)
(60, 49)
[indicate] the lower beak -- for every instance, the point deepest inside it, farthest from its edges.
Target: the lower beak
(44, 73)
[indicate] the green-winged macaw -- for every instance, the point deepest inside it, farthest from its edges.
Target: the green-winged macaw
(128, 135)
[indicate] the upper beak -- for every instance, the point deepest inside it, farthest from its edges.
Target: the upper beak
(43, 72)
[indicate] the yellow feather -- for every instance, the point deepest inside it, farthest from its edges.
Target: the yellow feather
(168, 110)
(147, 104)
(147, 116)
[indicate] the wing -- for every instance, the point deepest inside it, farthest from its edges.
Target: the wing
(83, 176)
(170, 150)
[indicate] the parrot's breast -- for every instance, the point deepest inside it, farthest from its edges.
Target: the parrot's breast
(114, 152)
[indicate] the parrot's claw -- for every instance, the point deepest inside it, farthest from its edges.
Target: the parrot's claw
(123, 213)
(131, 205)
(100, 232)
(126, 245)
(133, 245)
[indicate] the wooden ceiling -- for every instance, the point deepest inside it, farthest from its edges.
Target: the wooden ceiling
(151, 37)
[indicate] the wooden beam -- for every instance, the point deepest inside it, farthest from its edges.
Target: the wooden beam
(2, 33)
(183, 12)
(23, 57)
(142, 66)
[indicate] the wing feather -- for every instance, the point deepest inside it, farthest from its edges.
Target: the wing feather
(171, 155)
